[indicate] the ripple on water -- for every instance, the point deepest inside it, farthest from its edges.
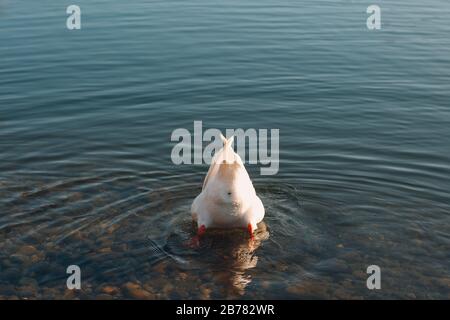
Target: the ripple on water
(130, 235)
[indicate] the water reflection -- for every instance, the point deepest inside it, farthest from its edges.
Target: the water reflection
(233, 253)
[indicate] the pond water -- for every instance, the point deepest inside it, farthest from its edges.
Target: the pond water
(86, 175)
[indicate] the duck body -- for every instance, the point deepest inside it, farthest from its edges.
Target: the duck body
(228, 198)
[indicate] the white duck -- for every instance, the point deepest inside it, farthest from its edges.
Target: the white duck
(228, 198)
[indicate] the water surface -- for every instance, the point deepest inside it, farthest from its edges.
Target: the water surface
(86, 176)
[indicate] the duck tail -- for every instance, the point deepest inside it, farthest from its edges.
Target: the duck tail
(227, 142)
(228, 152)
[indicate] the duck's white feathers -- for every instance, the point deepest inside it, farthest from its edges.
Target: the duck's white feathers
(228, 198)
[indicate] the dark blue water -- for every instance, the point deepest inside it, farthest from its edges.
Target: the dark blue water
(86, 176)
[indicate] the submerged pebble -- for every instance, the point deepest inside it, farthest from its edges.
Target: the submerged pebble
(110, 290)
(135, 291)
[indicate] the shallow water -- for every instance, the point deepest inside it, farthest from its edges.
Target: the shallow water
(86, 176)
